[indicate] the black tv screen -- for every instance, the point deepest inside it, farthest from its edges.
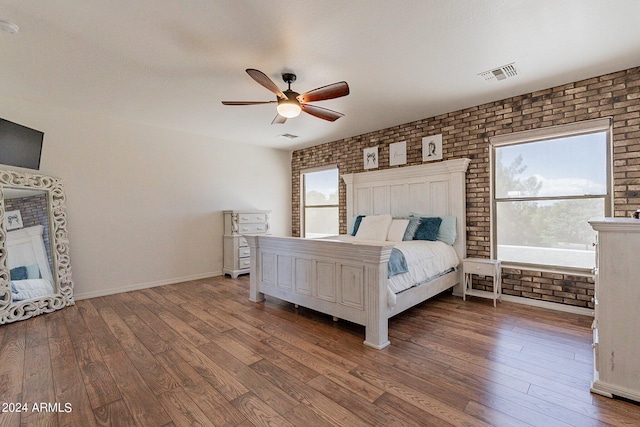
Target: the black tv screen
(19, 145)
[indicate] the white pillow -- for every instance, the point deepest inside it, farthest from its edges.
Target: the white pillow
(374, 227)
(397, 229)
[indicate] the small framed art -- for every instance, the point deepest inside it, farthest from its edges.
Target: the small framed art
(432, 148)
(398, 153)
(371, 157)
(12, 220)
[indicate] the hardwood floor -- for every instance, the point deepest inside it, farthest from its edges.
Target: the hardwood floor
(199, 353)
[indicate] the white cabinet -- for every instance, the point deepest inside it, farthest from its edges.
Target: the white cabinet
(237, 257)
(616, 327)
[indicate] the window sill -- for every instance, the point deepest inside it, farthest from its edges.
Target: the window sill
(585, 272)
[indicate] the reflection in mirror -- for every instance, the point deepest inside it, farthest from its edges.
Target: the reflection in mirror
(26, 220)
(35, 270)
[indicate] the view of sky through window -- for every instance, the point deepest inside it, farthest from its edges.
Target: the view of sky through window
(573, 166)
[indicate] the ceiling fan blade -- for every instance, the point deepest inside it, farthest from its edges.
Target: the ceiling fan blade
(335, 90)
(322, 113)
(278, 120)
(248, 102)
(265, 81)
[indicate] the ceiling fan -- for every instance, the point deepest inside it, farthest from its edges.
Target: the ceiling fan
(290, 103)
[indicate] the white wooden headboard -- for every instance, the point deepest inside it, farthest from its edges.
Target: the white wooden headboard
(431, 188)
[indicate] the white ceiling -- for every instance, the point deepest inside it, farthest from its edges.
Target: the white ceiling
(169, 63)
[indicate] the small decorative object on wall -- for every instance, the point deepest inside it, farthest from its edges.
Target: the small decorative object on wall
(371, 157)
(398, 153)
(12, 220)
(432, 148)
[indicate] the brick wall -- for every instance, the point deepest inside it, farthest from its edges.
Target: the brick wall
(466, 133)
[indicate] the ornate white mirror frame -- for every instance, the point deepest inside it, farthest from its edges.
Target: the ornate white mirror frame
(61, 264)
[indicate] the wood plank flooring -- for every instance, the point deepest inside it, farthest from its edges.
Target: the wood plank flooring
(200, 353)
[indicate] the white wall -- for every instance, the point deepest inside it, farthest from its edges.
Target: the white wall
(144, 204)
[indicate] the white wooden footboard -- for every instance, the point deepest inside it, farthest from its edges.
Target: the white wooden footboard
(345, 280)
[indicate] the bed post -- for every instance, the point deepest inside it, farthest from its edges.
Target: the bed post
(376, 260)
(254, 295)
(457, 205)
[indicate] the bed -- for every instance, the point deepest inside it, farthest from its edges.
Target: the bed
(349, 279)
(28, 264)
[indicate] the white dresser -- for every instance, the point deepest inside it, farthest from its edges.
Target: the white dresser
(237, 258)
(616, 327)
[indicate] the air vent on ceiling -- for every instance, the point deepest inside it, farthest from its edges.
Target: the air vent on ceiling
(500, 73)
(288, 135)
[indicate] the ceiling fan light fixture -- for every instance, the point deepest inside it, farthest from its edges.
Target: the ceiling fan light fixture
(289, 108)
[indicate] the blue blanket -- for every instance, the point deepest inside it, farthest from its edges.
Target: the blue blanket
(397, 263)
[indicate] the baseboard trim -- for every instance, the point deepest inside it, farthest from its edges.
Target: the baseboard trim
(539, 303)
(510, 298)
(547, 304)
(138, 286)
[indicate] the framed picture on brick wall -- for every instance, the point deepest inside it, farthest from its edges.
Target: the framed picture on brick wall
(371, 157)
(432, 148)
(398, 153)
(12, 220)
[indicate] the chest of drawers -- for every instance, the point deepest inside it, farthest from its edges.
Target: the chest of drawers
(236, 255)
(616, 342)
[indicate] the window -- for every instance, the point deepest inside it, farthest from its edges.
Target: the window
(320, 202)
(546, 184)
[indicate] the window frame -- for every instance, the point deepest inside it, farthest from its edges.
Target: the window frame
(538, 135)
(303, 192)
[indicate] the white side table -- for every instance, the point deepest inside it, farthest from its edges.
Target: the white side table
(482, 267)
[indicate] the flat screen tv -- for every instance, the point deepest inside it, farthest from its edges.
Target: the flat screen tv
(19, 145)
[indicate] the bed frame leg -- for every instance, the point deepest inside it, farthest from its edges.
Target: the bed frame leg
(377, 342)
(375, 279)
(377, 331)
(254, 295)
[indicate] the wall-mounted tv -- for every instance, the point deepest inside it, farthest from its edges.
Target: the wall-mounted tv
(19, 145)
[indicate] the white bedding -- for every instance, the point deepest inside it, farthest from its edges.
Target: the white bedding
(425, 261)
(30, 288)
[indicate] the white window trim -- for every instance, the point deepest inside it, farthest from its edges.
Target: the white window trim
(303, 191)
(535, 135)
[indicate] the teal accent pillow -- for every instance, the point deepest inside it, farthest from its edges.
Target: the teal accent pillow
(447, 232)
(18, 273)
(428, 229)
(356, 224)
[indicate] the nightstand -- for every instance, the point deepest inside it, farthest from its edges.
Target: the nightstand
(482, 267)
